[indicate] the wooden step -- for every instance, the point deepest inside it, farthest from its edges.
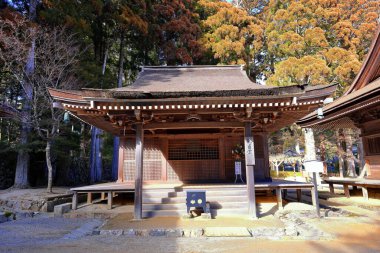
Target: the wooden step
(167, 200)
(164, 194)
(182, 206)
(179, 213)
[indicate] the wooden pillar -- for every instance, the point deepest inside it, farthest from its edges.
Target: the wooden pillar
(299, 195)
(222, 167)
(75, 201)
(314, 195)
(285, 193)
(120, 169)
(365, 192)
(164, 162)
(102, 196)
(346, 191)
(331, 186)
(249, 167)
(89, 197)
(109, 200)
(139, 170)
(266, 154)
(279, 199)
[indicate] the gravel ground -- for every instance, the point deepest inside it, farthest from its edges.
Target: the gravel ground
(61, 235)
(43, 231)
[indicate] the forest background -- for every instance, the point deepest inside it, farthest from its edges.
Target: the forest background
(103, 44)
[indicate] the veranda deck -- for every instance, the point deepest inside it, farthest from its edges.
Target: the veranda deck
(280, 186)
(355, 182)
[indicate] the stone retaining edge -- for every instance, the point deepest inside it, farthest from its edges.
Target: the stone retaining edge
(255, 233)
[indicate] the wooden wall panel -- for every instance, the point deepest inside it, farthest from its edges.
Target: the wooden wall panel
(152, 162)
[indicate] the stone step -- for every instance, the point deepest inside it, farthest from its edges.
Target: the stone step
(167, 200)
(164, 194)
(179, 213)
(182, 206)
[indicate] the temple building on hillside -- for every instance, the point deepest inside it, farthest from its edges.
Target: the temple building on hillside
(179, 125)
(358, 108)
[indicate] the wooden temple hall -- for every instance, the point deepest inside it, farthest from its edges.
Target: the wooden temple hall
(177, 128)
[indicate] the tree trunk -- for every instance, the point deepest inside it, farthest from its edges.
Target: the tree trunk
(96, 155)
(309, 144)
(49, 166)
(350, 156)
(121, 62)
(340, 152)
(22, 167)
(82, 141)
(116, 141)
(23, 159)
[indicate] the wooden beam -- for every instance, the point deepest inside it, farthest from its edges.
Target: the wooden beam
(249, 167)
(192, 125)
(139, 170)
(120, 169)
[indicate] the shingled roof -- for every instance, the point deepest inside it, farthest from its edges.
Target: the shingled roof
(191, 78)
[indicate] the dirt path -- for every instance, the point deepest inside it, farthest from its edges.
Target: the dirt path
(61, 235)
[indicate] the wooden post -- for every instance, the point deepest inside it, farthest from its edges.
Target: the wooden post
(279, 199)
(164, 162)
(314, 194)
(89, 197)
(299, 195)
(285, 193)
(264, 137)
(139, 170)
(75, 201)
(222, 167)
(109, 200)
(102, 196)
(120, 169)
(346, 191)
(365, 192)
(331, 186)
(249, 166)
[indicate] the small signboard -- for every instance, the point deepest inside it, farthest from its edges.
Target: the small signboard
(313, 166)
(237, 168)
(238, 171)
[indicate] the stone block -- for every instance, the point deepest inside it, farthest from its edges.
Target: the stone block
(197, 232)
(157, 232)
(112, 232)
(226, 232)
(59, 210)
(129, 232)
(174, 233)
(141, 232)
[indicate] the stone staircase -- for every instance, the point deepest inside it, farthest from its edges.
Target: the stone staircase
(171, 201)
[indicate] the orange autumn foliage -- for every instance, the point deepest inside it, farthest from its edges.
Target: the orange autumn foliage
(318, 41)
